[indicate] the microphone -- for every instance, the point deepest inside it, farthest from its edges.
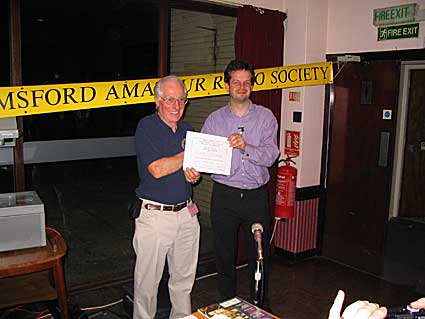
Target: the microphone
(257, 230)
(241, 129)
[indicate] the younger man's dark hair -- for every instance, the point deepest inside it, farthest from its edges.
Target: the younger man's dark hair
(238, 65)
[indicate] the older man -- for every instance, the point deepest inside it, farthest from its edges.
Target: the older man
(167, 227)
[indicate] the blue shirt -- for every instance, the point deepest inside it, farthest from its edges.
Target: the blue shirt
(154, 139)
(258, 127)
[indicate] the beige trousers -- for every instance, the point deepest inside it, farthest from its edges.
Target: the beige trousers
(161, 235)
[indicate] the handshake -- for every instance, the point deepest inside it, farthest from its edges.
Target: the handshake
(366, 310)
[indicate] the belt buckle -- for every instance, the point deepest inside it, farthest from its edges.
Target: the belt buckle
(150, 206)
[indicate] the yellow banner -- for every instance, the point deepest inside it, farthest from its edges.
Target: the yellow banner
(28, 100)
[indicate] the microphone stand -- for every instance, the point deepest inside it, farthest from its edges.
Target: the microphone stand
(259, 283)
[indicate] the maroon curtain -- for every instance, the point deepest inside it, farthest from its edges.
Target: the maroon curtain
(259, 40)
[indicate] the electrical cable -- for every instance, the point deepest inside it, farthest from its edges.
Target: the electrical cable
(20, 308)
(54, 230)
(104, 306)
(274, 230)
(98, 310)
(41, 316)
(3, 315)
(45, 316)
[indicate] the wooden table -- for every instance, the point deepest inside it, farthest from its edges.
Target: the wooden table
(25, 274)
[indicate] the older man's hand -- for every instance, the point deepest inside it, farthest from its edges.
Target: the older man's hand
(192, 175)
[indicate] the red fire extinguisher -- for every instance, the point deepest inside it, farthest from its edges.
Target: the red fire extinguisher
(285, 190)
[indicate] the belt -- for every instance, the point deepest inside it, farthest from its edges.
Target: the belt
(171, 208)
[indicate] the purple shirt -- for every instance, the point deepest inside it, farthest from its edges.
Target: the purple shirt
(258, 127)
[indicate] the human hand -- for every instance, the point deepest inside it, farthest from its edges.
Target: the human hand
(192, 175)
(418, 304)
(357, 310)
(236, 140)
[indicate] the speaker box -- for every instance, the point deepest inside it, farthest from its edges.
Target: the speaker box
(404, 253)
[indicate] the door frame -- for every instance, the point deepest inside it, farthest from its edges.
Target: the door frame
(409, 58)
(400, 138)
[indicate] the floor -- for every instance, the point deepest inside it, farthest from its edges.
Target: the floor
(300, 290)
(86, 201)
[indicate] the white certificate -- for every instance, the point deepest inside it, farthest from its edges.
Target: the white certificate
(207, 153)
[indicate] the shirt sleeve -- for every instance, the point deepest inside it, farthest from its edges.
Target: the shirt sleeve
(207, 128)
(215, 125)
(147, 145)
(267, 151)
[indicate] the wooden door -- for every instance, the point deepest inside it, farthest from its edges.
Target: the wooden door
(360, 163)
(412, 201)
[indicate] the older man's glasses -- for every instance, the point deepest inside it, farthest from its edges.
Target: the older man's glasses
(172, 100)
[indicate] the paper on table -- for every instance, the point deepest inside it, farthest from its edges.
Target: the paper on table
(207, 153)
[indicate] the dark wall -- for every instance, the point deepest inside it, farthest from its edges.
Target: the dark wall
(4, 40)
(88, 41)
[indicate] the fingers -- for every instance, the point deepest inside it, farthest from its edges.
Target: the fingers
(371, 311)
(335, 311)
(192, 175)
(418, 304)
(359, 309)
(380, 313)
(351, 311)
(237, 141)
(364, 310)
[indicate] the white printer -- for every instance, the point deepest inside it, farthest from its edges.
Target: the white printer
(22, 221)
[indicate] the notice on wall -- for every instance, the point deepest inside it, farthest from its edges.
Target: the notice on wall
(292, 143)
(294, 96)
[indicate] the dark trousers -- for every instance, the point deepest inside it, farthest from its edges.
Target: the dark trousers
(232, 208)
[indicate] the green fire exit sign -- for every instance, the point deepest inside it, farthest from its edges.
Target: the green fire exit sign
(398, 32)
(395, 15)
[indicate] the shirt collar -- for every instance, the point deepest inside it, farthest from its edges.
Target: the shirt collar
(165, 125)
(251, 108)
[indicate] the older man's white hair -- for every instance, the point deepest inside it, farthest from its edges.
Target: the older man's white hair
(158, 85)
